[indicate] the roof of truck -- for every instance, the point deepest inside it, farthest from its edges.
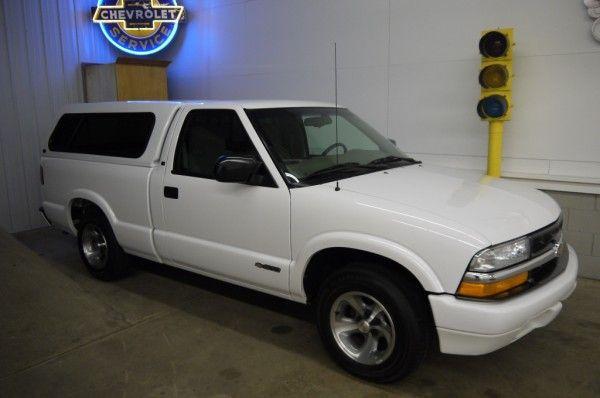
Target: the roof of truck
(251, 103)
(257, 104)
(138, 105)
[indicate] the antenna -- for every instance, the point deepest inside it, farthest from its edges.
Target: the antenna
(337, 148)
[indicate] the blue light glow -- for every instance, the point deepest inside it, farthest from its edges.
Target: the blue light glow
(161, 47)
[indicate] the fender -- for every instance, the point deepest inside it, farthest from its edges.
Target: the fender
(368, 243)
(93, 197)
(134, 239)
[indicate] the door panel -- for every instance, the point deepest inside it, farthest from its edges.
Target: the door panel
(226, 229)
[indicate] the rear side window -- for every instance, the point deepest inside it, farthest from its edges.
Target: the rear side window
(123, 135)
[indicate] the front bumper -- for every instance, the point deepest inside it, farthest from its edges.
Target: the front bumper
(473, 328)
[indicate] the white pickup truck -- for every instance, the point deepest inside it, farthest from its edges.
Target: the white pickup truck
(307, 202)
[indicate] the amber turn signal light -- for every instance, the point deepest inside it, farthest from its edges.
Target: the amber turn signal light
(483, 290)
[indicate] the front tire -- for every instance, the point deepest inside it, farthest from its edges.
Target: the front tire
(374, 323)
(99, 249)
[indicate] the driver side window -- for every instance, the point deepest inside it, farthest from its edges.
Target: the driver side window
(208, 135)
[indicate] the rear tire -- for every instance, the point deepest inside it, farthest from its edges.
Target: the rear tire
(384, 347)
(99, 249)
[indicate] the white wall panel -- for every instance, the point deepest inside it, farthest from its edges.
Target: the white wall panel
(365, 90)
(432, 108)
(67, 32)
(24, 107)
(410, 68)
(92, 45)
(53, 56)
(576, 169)
(361, 30)
(314, 84)
(42, 43)
(188, 79)
(449, 30)
(529, 166)
(12, 191)
(227, 40)
(556, 114)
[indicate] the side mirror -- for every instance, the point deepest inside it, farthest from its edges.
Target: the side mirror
(235, 169)
(393, 141)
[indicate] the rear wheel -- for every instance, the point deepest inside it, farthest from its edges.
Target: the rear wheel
(373, 323)
(99, 249)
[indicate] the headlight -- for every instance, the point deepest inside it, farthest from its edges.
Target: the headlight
(501, 256)
(491, 272)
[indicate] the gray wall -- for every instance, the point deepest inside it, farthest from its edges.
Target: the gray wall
(410, 68)
(389, 73)
(42, 43)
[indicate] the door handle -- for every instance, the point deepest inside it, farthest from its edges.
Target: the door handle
(171, 192)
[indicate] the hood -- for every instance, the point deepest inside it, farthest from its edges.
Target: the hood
(499, 210)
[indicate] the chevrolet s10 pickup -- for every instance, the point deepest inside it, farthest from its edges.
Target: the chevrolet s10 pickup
(306, 201)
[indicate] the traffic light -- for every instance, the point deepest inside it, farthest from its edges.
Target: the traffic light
(495, 79)
(496, 74)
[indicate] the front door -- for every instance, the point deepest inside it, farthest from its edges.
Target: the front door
(237, 232)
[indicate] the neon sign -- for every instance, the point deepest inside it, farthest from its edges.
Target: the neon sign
(139, 27)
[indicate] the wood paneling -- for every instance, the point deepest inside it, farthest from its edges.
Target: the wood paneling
(129, 79)
(143, 80)
(99, 82)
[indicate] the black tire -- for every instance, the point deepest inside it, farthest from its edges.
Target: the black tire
(115, 262)
(406, 306)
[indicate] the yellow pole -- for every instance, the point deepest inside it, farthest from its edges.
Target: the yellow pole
(494, 166)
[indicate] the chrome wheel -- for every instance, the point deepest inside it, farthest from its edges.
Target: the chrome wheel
(94, 246)
(362, 328)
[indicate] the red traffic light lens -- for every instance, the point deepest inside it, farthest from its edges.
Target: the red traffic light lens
(492, 107)
(493, 76)
(493, 45)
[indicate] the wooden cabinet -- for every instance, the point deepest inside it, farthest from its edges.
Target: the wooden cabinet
(127, 79)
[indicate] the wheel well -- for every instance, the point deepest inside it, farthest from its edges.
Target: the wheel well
(325, 262)
(82, 209)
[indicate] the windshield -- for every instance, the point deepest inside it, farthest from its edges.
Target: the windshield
(303, 143)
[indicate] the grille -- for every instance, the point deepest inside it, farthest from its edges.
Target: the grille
(539, 276)
(542, 273)
(544, 239)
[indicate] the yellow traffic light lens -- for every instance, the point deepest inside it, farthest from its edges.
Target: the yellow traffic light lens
(493, 76)
(493, 45)
(492, 107)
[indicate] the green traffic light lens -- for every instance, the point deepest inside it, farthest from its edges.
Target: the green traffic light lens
(493, 44)
(493, 107)
(493, 76)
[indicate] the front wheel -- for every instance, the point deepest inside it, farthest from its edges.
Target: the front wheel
(373, 323)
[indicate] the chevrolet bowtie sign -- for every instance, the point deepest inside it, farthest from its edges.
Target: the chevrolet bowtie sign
(139, 27)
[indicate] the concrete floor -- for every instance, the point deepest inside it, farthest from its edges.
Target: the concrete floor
(165, 332)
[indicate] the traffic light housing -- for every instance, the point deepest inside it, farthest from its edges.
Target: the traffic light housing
(496, 74)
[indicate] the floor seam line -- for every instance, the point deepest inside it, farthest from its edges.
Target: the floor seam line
(96, 340)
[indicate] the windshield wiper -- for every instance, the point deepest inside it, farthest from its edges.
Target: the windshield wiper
(350, 166)
(393, 159)
(355, 166)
